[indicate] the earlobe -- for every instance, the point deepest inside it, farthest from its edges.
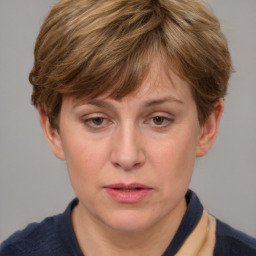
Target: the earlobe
(210, 129)
(51, 135)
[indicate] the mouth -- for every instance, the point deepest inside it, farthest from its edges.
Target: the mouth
(128, 189)
(128, 193)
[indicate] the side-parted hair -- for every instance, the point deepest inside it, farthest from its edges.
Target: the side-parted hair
(93, 47)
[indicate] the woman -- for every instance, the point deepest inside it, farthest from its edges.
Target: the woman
(129, 94)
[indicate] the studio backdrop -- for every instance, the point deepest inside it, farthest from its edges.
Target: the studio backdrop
(34, 184)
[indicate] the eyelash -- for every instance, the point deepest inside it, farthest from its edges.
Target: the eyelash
(165, 121)
(91, 122)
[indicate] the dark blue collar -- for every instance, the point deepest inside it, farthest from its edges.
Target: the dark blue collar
(188, 223)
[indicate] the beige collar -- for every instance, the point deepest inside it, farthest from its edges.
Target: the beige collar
(201, 241)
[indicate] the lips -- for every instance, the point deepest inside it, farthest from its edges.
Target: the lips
(128, 193)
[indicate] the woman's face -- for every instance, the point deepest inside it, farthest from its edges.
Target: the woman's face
(130, 161)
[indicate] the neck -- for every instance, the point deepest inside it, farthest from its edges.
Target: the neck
(96, 238)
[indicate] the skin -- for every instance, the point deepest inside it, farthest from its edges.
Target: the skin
(151, 137)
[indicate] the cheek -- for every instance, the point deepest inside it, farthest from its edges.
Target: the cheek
(84, 159)
(175, 160)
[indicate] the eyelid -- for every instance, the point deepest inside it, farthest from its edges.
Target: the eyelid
(161, 114)
(89, 118)
(169, 119)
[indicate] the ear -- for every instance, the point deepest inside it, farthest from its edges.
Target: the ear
(209, 130)
(51, 135)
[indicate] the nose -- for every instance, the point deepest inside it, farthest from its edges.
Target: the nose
(127, 149)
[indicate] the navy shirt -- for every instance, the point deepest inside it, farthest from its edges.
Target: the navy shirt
(55, 236)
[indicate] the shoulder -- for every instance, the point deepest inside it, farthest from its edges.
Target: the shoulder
(33, 240)
(230, 241)
(51, 237)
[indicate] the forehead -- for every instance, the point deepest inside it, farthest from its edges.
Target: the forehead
(159, 84)
(162, 81)
(162, 78)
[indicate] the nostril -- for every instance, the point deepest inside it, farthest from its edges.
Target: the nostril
(128, 165)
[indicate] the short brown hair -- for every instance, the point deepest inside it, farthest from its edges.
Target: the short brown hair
(92, 47)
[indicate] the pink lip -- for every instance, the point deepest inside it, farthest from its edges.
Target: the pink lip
(128, 193)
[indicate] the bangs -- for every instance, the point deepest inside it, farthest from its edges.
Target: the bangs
(114, 76)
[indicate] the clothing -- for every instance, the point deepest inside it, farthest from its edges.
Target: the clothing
(55, 236)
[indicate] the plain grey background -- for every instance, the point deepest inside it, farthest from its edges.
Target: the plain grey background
(33, 184)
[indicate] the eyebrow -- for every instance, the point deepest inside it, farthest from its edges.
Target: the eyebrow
(150, 103)
(96, 102)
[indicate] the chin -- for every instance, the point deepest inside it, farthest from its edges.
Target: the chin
(130, 222)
